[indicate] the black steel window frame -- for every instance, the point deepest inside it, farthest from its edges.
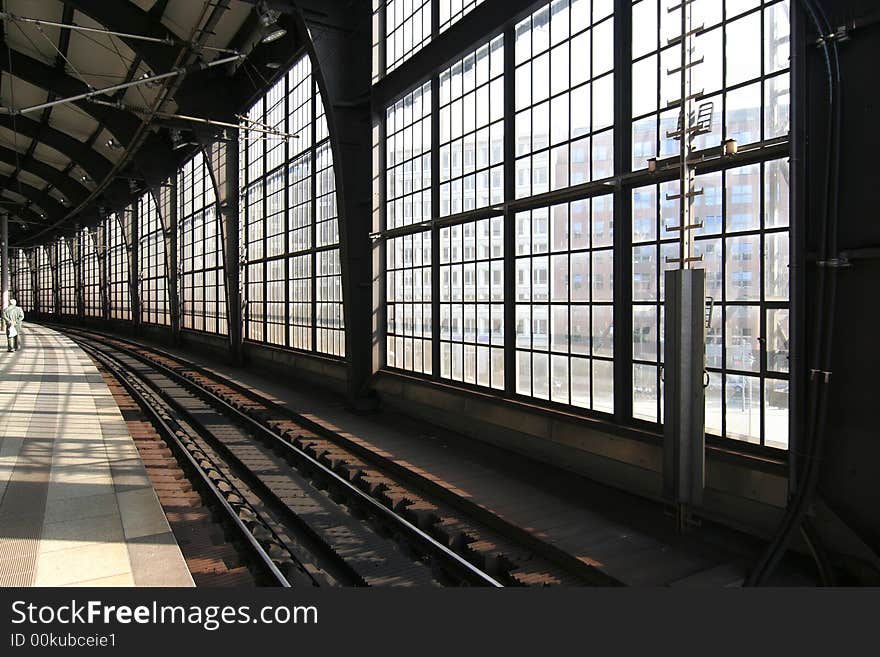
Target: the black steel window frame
(452, 16)
(719, 95)
(21, 282)
(45, 280)
(624, 181)
(770, 147)
(303, 275)
(202, 274)
(91, 272)
(764, 360)
(507, 210)
(118, 292)
(66, 278)
(586, 144)
(153, 269)
(583, 306)
(392, 26)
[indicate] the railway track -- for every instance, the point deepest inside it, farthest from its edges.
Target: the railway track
(329, 509)
(213, 552)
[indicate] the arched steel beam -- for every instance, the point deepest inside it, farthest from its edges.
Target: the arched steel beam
(49, 205)
(21, 211)
(21, 163)
(64, 183)
(343, 76)
(128, 17)
(122, 124)
(90, 160)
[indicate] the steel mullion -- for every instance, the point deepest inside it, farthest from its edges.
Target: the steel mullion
(509, 222)
(313, 258)
(264, 320)
(622, 300)
(285, 166)
(436, 347)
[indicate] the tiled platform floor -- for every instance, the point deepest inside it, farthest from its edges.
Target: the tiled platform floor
(76, 505)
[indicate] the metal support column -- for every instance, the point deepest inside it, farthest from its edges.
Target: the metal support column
(231, 223)
(54, 261)
(4, 260)
(684, 395)
(35, 279)
(684, 325)
(436, 352)
(171, 259)
(77, 251)
(344, 78)
(134, 266)
(510, 372)
(623, 343)
(103, 264)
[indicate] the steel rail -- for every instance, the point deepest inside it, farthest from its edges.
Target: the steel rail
(391, 468)
(121, 373)
(424, 540)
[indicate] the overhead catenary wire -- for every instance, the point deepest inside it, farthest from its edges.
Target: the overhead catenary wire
(168, 40)
(132, 70)
(117, 87)
(137, 109)
(58, 51)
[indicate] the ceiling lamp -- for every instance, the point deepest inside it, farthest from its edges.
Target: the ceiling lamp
(269, 21)
(177, 140)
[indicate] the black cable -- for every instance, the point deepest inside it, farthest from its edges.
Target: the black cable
(811, 538)
(770, 555)
(815, 435)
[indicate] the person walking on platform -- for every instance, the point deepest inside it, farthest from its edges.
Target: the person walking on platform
(13, 316)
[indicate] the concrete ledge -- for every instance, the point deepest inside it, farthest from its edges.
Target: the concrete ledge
(328, 373)
(737, 493)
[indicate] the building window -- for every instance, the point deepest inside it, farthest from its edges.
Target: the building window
(66, 278)
(116, 227)
(408, 159)
(407, 30)
(153, 270)
(45, 281)
(564, 99)
(472, 303)
(472, 131)
(747, 276)
(452, 11)
(91, 272)
(744, 76)
(562, 256)
(290, 221)
(408, 303)
(22, 281)
(203, 276)
(564, 304)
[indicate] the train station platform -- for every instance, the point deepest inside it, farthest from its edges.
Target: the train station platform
(76, 505)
